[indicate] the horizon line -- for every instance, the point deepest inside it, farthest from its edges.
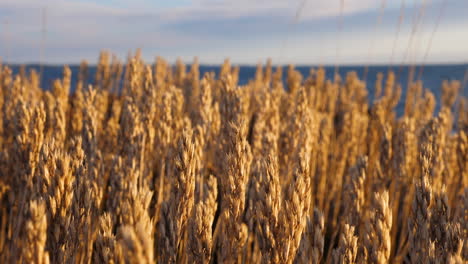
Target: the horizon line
(351, 64)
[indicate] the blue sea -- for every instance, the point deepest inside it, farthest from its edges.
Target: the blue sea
(432, 76)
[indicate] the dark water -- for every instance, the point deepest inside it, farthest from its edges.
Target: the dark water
(432, 75)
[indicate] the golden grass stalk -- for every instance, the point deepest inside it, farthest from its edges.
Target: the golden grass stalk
(162, 167)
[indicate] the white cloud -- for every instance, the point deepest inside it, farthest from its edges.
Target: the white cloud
(196, 9)
(308, 9)
(78, 29)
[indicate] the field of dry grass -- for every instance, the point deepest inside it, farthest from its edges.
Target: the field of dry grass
(173, 167)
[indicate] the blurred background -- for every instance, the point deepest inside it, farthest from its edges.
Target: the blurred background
(307, 32)
(426, 37)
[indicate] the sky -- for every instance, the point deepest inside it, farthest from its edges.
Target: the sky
(246, 31)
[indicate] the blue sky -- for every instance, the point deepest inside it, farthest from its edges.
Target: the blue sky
(246, 31)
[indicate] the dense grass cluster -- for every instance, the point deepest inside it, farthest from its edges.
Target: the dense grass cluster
(153, 163)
